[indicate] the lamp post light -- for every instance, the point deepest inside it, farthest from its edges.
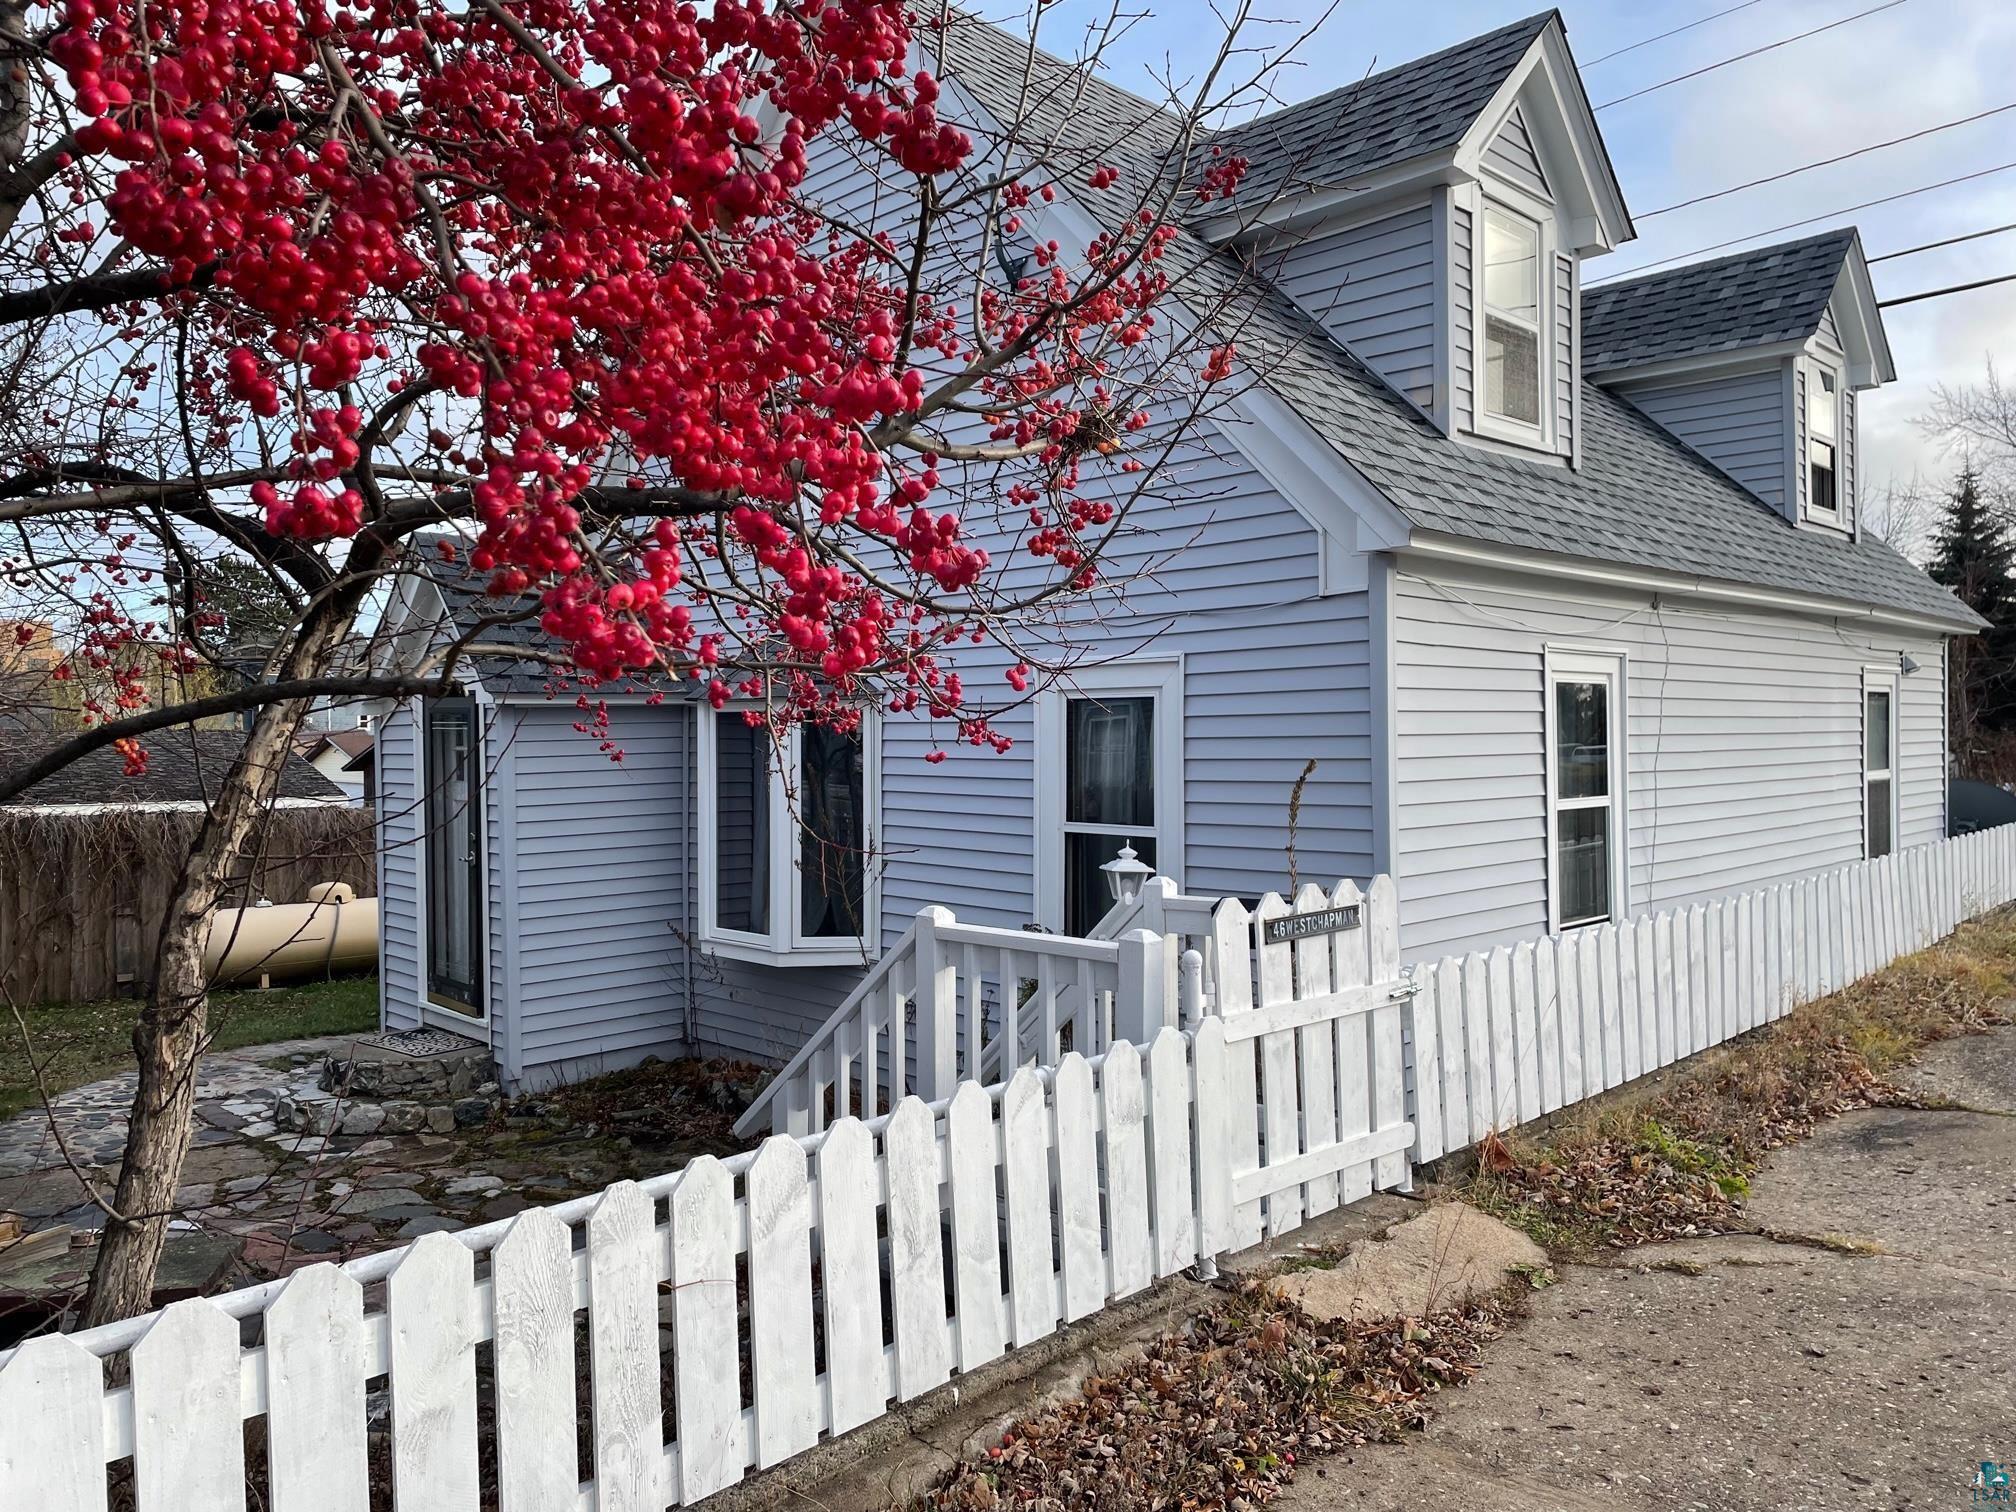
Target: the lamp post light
(1125, 873)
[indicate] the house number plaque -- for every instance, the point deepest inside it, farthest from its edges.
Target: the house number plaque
(1300, 926)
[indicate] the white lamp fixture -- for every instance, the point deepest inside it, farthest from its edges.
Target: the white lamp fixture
(1125, 873)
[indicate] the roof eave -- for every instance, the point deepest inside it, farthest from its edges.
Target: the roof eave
(1682, 585)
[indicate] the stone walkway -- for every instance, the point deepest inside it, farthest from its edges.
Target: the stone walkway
(277, 1199)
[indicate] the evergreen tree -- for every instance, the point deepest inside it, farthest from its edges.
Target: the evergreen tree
(1972, 554)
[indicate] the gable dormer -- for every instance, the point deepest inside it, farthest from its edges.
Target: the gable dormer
(1756, 361)
(1434, 220)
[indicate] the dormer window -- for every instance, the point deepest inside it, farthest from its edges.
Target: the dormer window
(1512, 341)
(1823, 496)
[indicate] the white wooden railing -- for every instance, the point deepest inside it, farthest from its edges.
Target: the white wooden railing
(926, 1016)
(1503, 1036)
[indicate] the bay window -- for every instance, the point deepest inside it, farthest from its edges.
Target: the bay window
(1511, 316)
(1585, 789)
(786, 831)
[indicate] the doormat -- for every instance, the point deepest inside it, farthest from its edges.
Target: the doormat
(420, 1043)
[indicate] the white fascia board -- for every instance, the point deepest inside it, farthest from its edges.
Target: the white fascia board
(1701, 365)
(1559, 119)
(1366, 192)
(1860, 320)
(1430, 546)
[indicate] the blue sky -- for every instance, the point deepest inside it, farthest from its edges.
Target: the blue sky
(1917, 64)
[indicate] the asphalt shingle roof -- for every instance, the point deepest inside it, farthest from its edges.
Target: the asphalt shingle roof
(1755, 298)
(183, 766)
(1416, 108)
(1640, 498)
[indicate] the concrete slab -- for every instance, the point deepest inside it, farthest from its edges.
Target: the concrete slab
(1441, 1258)
(1975, 1071)
(1938, 1186)
(1780, 1379)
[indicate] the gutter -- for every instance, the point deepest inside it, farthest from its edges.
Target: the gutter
(1678, 585)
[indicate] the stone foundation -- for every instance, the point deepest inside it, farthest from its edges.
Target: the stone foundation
(419, 1081)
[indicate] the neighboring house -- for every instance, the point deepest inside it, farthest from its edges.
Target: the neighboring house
(1564, 593)
(184, 767)
(344, 757)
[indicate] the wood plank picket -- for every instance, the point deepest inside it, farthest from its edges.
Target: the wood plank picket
(712, 1440)
(623, 1351)
(1504, 1047)
(1173, 1201)
(1317, 1054)
(1232, 948)
(316, 1454)
(1280, 1092)
(1025, 1142)
(1477, 1045)
(780, 1301)
(850, 1273)
(188, 1447)
(52, 1416)
(532, 1287)
(1356, 1038)
(970, 1147)
(916, 1258)
(430, 1300)
(1630, 1004)
(1217, 1224)
(1131, 1241)
(1568, 989)
(1547, 1008)
(1074, 1166)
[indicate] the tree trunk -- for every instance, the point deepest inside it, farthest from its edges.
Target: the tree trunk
(173, 1030)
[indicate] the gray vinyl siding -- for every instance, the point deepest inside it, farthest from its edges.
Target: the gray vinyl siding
(1373, 287)
(1460, 253)
(601, 854)
(1743, 747)
(1511, 156)
(1829, 332)
(1564, 353)
(400, 973)
(1737, 422)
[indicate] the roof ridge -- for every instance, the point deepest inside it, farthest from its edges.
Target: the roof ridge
(1533, 23)
(1652, 275)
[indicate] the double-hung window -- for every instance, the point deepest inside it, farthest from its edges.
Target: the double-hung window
(1109, 775)
(1823, 490)
(786, 849)
(1512, 323)
(1585, 789)
(1879, 763)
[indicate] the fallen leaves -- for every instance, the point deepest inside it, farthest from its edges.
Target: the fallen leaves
(1219, 1415)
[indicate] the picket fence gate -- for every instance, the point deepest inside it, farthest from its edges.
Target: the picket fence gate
(865, 1264)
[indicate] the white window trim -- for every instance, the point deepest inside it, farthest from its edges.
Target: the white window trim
(1880, 679)
(785, 945)
(431, 1009)
(1584, 664)
(1513, 201)
(1829, 517)
(1161, 680)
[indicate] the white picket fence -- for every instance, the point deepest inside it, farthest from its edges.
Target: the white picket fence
(1512, 1034)
(811, 1283)
(863, 1265)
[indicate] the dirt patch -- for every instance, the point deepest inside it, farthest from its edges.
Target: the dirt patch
(662, 1100)
(1447, 1257)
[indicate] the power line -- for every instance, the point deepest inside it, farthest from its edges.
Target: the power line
(1767, 47)
(1842, 157)
(1950, 241)
(1979, 283)
(1648, 41)
(1809, 220)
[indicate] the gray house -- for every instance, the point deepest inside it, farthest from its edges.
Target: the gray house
(1564, 592)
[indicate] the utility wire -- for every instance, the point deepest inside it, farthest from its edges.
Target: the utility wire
(1753, 52)
(1701, 199)
(1809, 220)
(1662, 36)
(1950, 241)
(1979, 283)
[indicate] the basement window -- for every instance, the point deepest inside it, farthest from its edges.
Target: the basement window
(786, 824)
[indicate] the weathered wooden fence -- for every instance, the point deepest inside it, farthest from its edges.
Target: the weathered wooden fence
(83, 893)
(807, 1285)
(1509, 1035)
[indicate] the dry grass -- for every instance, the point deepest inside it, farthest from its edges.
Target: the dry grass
(1675, 1157)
